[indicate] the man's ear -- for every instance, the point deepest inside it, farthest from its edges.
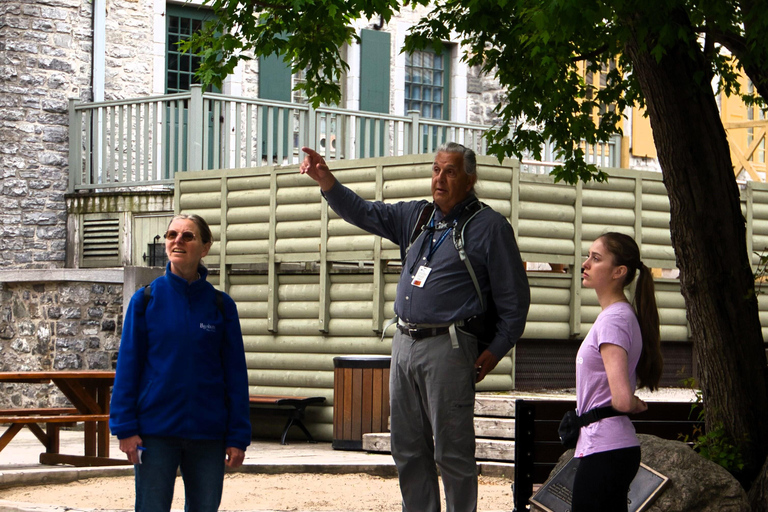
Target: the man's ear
(472, 181)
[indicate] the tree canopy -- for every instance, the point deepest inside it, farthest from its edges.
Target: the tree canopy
(538, 50)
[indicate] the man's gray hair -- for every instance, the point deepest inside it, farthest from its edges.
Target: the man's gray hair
(470, 162)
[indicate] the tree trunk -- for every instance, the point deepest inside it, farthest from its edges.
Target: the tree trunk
(709, 237)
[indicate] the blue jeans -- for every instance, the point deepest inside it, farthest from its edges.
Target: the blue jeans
(202, 469)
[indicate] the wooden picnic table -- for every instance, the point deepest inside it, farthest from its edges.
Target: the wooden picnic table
(89, 393)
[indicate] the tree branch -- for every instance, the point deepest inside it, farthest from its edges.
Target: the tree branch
(735, 43)
(591, 55)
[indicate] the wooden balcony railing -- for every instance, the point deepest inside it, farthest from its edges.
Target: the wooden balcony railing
(142, 143)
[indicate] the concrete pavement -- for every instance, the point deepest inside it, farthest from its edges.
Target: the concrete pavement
(19, 461)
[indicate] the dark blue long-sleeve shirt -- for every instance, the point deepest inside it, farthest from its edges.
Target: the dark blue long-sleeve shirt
(448, 294)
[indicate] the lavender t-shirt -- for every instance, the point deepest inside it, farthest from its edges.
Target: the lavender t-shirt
(616, 324)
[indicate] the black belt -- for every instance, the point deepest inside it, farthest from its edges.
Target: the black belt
(424, 332)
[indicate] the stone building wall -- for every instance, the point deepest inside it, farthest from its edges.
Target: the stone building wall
(129, 49)
(56, 326)
(484, 94)
(45, 59)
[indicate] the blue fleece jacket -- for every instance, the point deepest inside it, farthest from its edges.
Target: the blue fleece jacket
(181, 368)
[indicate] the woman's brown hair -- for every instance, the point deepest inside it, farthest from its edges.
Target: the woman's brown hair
(625, 252)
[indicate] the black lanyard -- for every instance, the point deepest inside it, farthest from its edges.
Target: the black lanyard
(432, 248)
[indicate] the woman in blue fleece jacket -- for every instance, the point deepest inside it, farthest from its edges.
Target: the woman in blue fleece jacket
(180, 398)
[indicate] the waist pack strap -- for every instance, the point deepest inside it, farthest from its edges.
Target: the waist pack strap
(598, 413)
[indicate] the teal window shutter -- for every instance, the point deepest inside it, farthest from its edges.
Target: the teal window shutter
(374, 71)
(374, 86)
(274, 78)
(275, 84)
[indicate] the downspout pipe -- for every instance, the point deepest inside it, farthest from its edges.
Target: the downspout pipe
(99, 48)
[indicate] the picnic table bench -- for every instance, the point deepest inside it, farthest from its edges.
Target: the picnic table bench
(292, 406)
(89, 393)
(537, 443)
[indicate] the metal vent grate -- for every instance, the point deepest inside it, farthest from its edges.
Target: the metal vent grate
(101, 241)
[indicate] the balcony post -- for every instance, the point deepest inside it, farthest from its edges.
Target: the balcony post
(415, 148)
(195, 129)
(75, 147)
(312, 129)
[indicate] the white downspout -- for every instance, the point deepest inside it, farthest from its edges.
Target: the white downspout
(98, 78)
(99, 48)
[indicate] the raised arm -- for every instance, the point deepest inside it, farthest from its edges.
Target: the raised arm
(315, 167)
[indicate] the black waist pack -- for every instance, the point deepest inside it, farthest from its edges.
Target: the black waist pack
(571, 424)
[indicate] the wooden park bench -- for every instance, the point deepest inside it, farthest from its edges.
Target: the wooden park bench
(291, 406)
(537, 443)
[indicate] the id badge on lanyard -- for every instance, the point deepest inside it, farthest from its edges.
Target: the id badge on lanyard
(421, 276)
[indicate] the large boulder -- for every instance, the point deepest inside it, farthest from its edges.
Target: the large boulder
(695, 483)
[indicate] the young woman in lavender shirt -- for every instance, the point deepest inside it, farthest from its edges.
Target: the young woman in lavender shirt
(621, 352)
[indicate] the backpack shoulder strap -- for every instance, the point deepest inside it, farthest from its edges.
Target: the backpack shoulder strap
(424, 217)
(469, 213)
(220, 302)
(147, 295)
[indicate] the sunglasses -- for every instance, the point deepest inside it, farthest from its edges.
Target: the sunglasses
(186, 236)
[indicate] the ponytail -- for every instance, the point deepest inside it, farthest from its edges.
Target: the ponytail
(625, 252)
(651, 363)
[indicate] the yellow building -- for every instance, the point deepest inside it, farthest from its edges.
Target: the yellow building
(745, 127)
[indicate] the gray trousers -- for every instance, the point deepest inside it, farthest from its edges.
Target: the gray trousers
(432, 393)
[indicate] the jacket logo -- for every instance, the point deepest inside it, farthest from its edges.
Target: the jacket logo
(208, 327)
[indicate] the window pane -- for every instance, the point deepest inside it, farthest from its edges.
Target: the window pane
(181, 66)
(425, 68)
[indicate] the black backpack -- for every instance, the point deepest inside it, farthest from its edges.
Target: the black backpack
(482, 326)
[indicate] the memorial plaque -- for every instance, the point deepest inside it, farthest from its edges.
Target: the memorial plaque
(555, 495)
